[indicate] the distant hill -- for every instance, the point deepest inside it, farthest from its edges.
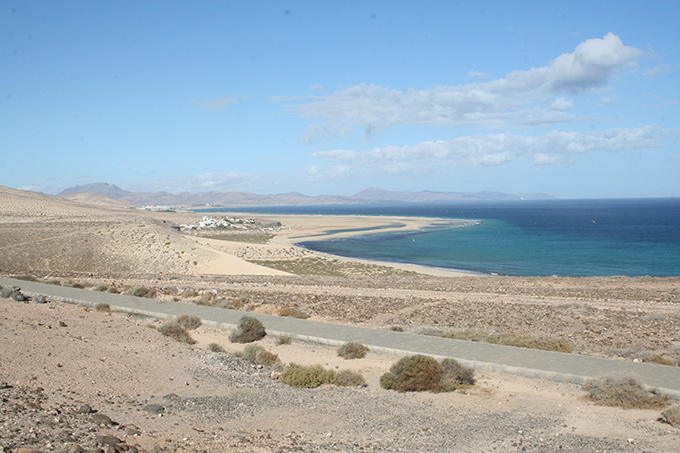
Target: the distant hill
(246, 199)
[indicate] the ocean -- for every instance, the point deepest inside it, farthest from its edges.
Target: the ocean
(631, 237)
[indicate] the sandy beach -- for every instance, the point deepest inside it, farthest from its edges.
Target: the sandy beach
(56, 357)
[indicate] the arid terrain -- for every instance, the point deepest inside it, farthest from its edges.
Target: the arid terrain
(168, 396)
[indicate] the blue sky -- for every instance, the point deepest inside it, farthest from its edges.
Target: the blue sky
(579, 99)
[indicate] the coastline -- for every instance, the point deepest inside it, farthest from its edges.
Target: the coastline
(321, 227)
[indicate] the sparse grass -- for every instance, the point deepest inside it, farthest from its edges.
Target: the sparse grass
(661, 360)
(333, 268)
(508, 339)
(349, 378)
(352, 350)
(624, 392)
(214, 347)
(644, 355)
(143, 291)
(307, 377)
(526, 341)
(176, 332)
(250, 238)
(282, 339)
(671, 416)
(28, 278)
(249, 329)
(189, 322)
(292, 313)
(423, 373)
(105, 308)
(258, 354)
(189, 293)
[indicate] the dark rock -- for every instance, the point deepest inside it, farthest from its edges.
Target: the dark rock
(7, 291)
(84, 409)
(19, 296)
(102, 419)
(154, 409)
(62, 324)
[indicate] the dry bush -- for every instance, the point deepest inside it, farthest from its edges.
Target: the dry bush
(188, 293)
(176, 332)
(189, 322)
(214, 347)
(249, 329)
(349, 378)
(282, 339)
(624, 392)
(352, 350)
(257, 354)
(28, 278)
(413, 374)
(142, 291)
(526, 341)
(101, 288)
(307, 377)
(292, 313)
(106, 308)
(455, 376)
(113, 290)
(396, 329)
(671, 416)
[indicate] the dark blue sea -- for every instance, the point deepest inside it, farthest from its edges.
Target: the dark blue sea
(632, 237)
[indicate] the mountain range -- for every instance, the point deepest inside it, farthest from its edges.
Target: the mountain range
(246, 199)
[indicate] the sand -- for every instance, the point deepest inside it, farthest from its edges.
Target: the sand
(119, 364)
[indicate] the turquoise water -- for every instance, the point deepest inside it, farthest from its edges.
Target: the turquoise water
(530, 238)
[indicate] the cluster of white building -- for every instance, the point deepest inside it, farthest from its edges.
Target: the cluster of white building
(212, 222)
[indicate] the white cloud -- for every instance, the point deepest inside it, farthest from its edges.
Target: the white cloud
(498, 103)
(478, 75)
(496, 149)
(562, 104)
(222, 181)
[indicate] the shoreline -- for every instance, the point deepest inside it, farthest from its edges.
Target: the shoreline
(323, 227)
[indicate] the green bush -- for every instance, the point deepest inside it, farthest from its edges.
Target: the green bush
(214, 347)
(258, 354)
(624, 392)
(671, 416)
(349, 378)
(176, 332)
(352, 350)
(249, 329)
(413, 374)
(307, 377)
(189, 322)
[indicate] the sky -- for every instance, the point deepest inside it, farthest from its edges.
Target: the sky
(577, 99)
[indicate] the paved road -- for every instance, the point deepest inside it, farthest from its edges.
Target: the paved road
(573, 368)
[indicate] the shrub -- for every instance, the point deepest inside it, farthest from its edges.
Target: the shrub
(671, 416)
(258, 354)
(413, 374)
(189, 322)
(282, 339)
(113, 290)
(455, 376)
(53, 282)
(103, 308)
(249, 329)
(101, 288)
(396, 329)
(176, 332)
(307, 377)
(352, 350)
(349, 378)
(214, 347)
(292, 313)
(189, 293)
(78, 285)
(28, 278)
(624, 392)
(144, 292)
